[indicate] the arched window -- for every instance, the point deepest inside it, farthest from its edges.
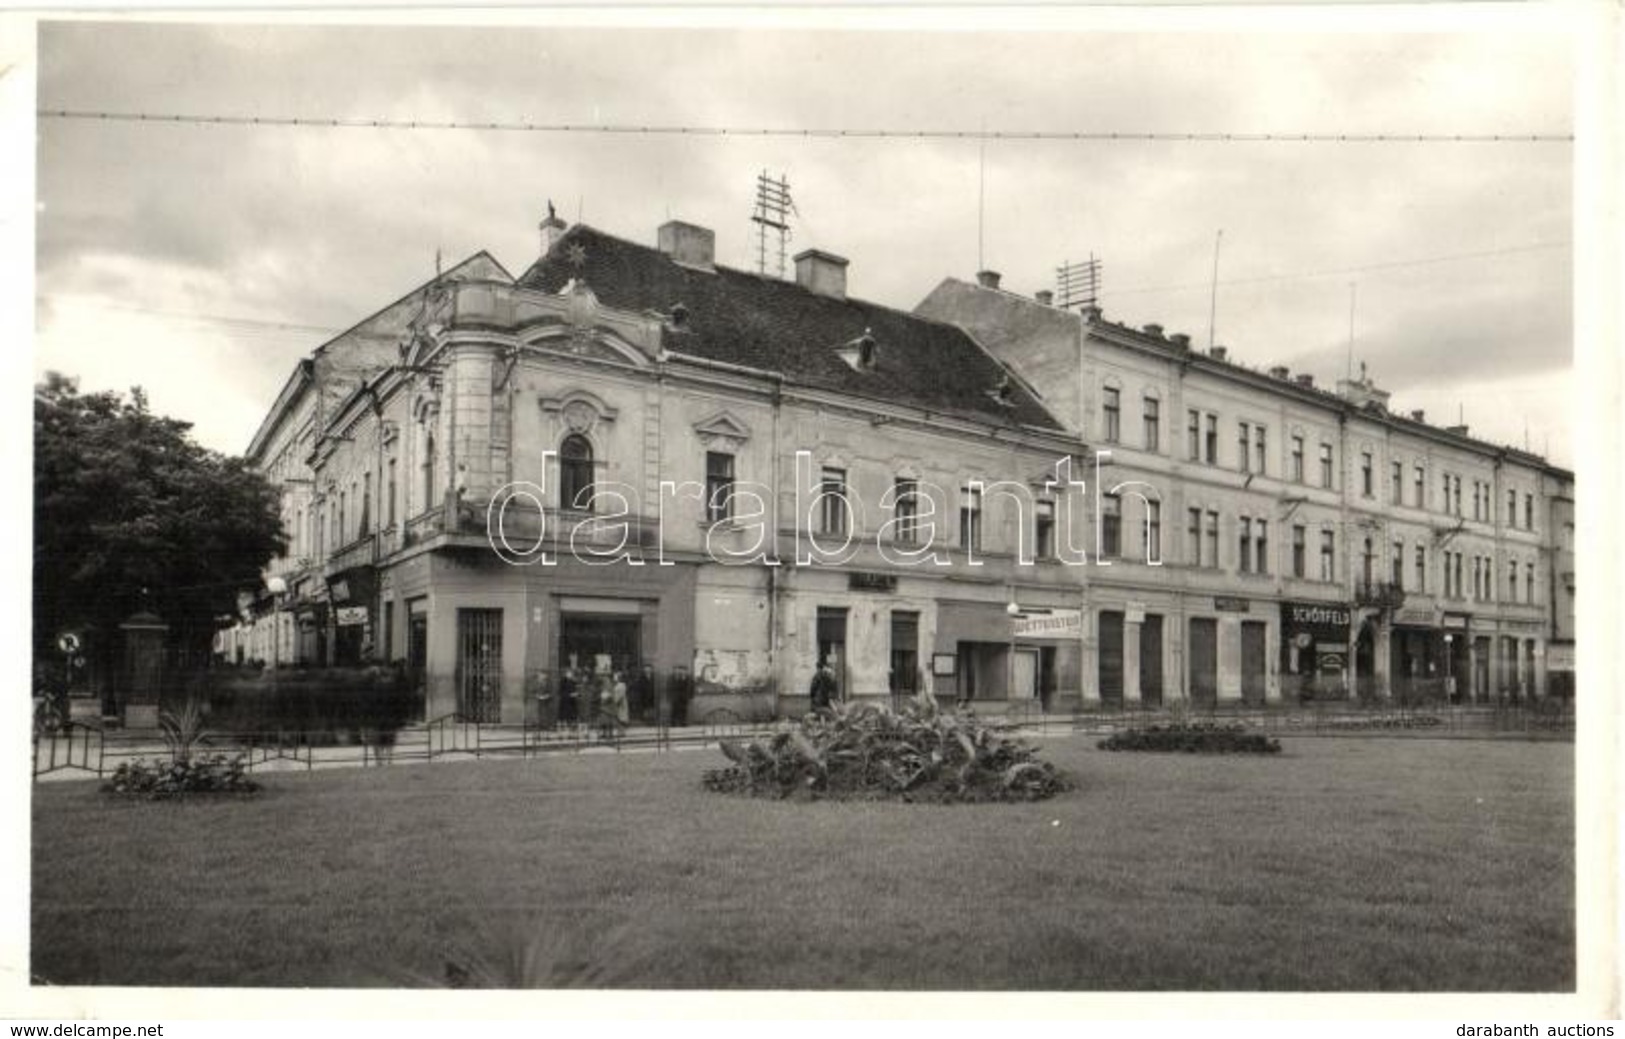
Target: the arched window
(575, 473)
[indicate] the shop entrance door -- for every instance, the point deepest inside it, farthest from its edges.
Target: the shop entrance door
(479, 666)
(1204, 661)
(1151, 660)
(1111, 658)
(1024, 675)
(1252, 663)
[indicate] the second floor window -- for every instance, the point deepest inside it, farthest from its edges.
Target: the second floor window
(1325, 465)
(1244, 545)
(575, 473)
(719, 486)
(1299, 534)
(1193, 538)
(1421, 569)
(1044, 529)
(970, 518)
(1512, 581)
(1396, 565)
(1153, 532)
(1368, 563)
(1111, 526)
(906, 490)
(1421, 488)
(1396, 476)
(366, 504)
(1212, 538)
(1152, 410)
(1261, 546)
(1113, 411)
(1512, 508)
(1296, 472)
(1212, 441)
(832, 503)
(389, 496)
(1529, 512)
(1260, 452)
(1529, 583)
(1193, 435)
(1244, 446)
(1366, 487)
(1328, 556)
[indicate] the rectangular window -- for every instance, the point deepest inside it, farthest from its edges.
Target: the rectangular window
(1447, 492)
(1153, 532)
(1478, 577)
(1396, 477)
(1044, 529)
(970, 518)
(1298, 549)
(832, 503)
(365, 523)
(1193, 433)
(1421, 569)
(1512, 508)
(1111, 526)
(1397, 565)
(1261, 545)
(1259, 452)
(906, 509)
(1153, 418)
(1244, 545)
(390, 504)
(1212, 442)
(1512, 581)
(1458, 496)
(1325, 465)
(719, 486)
(1193, 539)
(1328, 556)
(1421, 488)
(1112, 409)
(1212, 538)
(1529, 512)
(1366, 486)
(1244, 446)
(1459, 570)
(1529, 583)
(1296, 468)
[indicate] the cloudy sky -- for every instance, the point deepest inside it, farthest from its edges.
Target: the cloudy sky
(202, 261)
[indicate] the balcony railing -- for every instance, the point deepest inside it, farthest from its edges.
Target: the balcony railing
(1383, 594)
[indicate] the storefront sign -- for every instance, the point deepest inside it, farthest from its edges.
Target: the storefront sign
(1229, 604)
(1057, 624)
(862, 581)
(348, 615)
(1314, 615)
(1415, 618)
(1458, 621)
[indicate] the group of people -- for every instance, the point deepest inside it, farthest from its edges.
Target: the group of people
(594, 699)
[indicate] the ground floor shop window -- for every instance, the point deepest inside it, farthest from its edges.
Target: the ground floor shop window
(1151, 660)
(595, 652)
(479, 666)
(832, 644)
(905, 653)
(1204, 660)
(1110, 658)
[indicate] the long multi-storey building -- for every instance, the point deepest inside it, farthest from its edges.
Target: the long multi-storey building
(631, 457)
(1311, 541)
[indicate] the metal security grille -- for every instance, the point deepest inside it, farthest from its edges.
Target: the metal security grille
(479, 666)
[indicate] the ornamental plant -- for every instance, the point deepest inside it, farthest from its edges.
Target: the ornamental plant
(1193, 738)
(866, 751)
(212, 774)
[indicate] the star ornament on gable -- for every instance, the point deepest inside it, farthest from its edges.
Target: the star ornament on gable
(576, 255)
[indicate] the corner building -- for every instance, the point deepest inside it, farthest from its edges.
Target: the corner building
(1308, 544)
(662, 441)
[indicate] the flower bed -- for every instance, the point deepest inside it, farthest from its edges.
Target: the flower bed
(1193, 738)
(213, 776)
(866, 751)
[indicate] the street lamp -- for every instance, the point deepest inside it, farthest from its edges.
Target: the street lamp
(1014, 610)
(278, 587)
(1449, 677)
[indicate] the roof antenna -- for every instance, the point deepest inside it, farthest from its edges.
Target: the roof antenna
(1350, 374)
(981, 195)
(1213, 297)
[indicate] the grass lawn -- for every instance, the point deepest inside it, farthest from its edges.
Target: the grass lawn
(1348, 864)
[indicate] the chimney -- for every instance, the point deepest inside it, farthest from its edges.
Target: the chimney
(1181, 340)
(1280, 371)
(821, 273)
(1044, 297)
(1152, 330)
(1091, 313)
(1419, 415)
(1306, 380)
(987, 279)
(1218, 353)
(689, 245)
(552, 230)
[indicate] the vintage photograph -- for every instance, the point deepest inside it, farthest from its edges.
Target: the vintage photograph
(837, 505)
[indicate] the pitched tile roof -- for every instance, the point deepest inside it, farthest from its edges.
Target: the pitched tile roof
(762, 322)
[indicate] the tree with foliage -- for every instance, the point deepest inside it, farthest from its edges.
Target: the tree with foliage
(131, 514)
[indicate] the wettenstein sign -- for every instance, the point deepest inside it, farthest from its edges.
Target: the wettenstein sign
(826, 519)
(1056, 624)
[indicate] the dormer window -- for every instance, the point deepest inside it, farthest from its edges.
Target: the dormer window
(861, 353)
(866, 351)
